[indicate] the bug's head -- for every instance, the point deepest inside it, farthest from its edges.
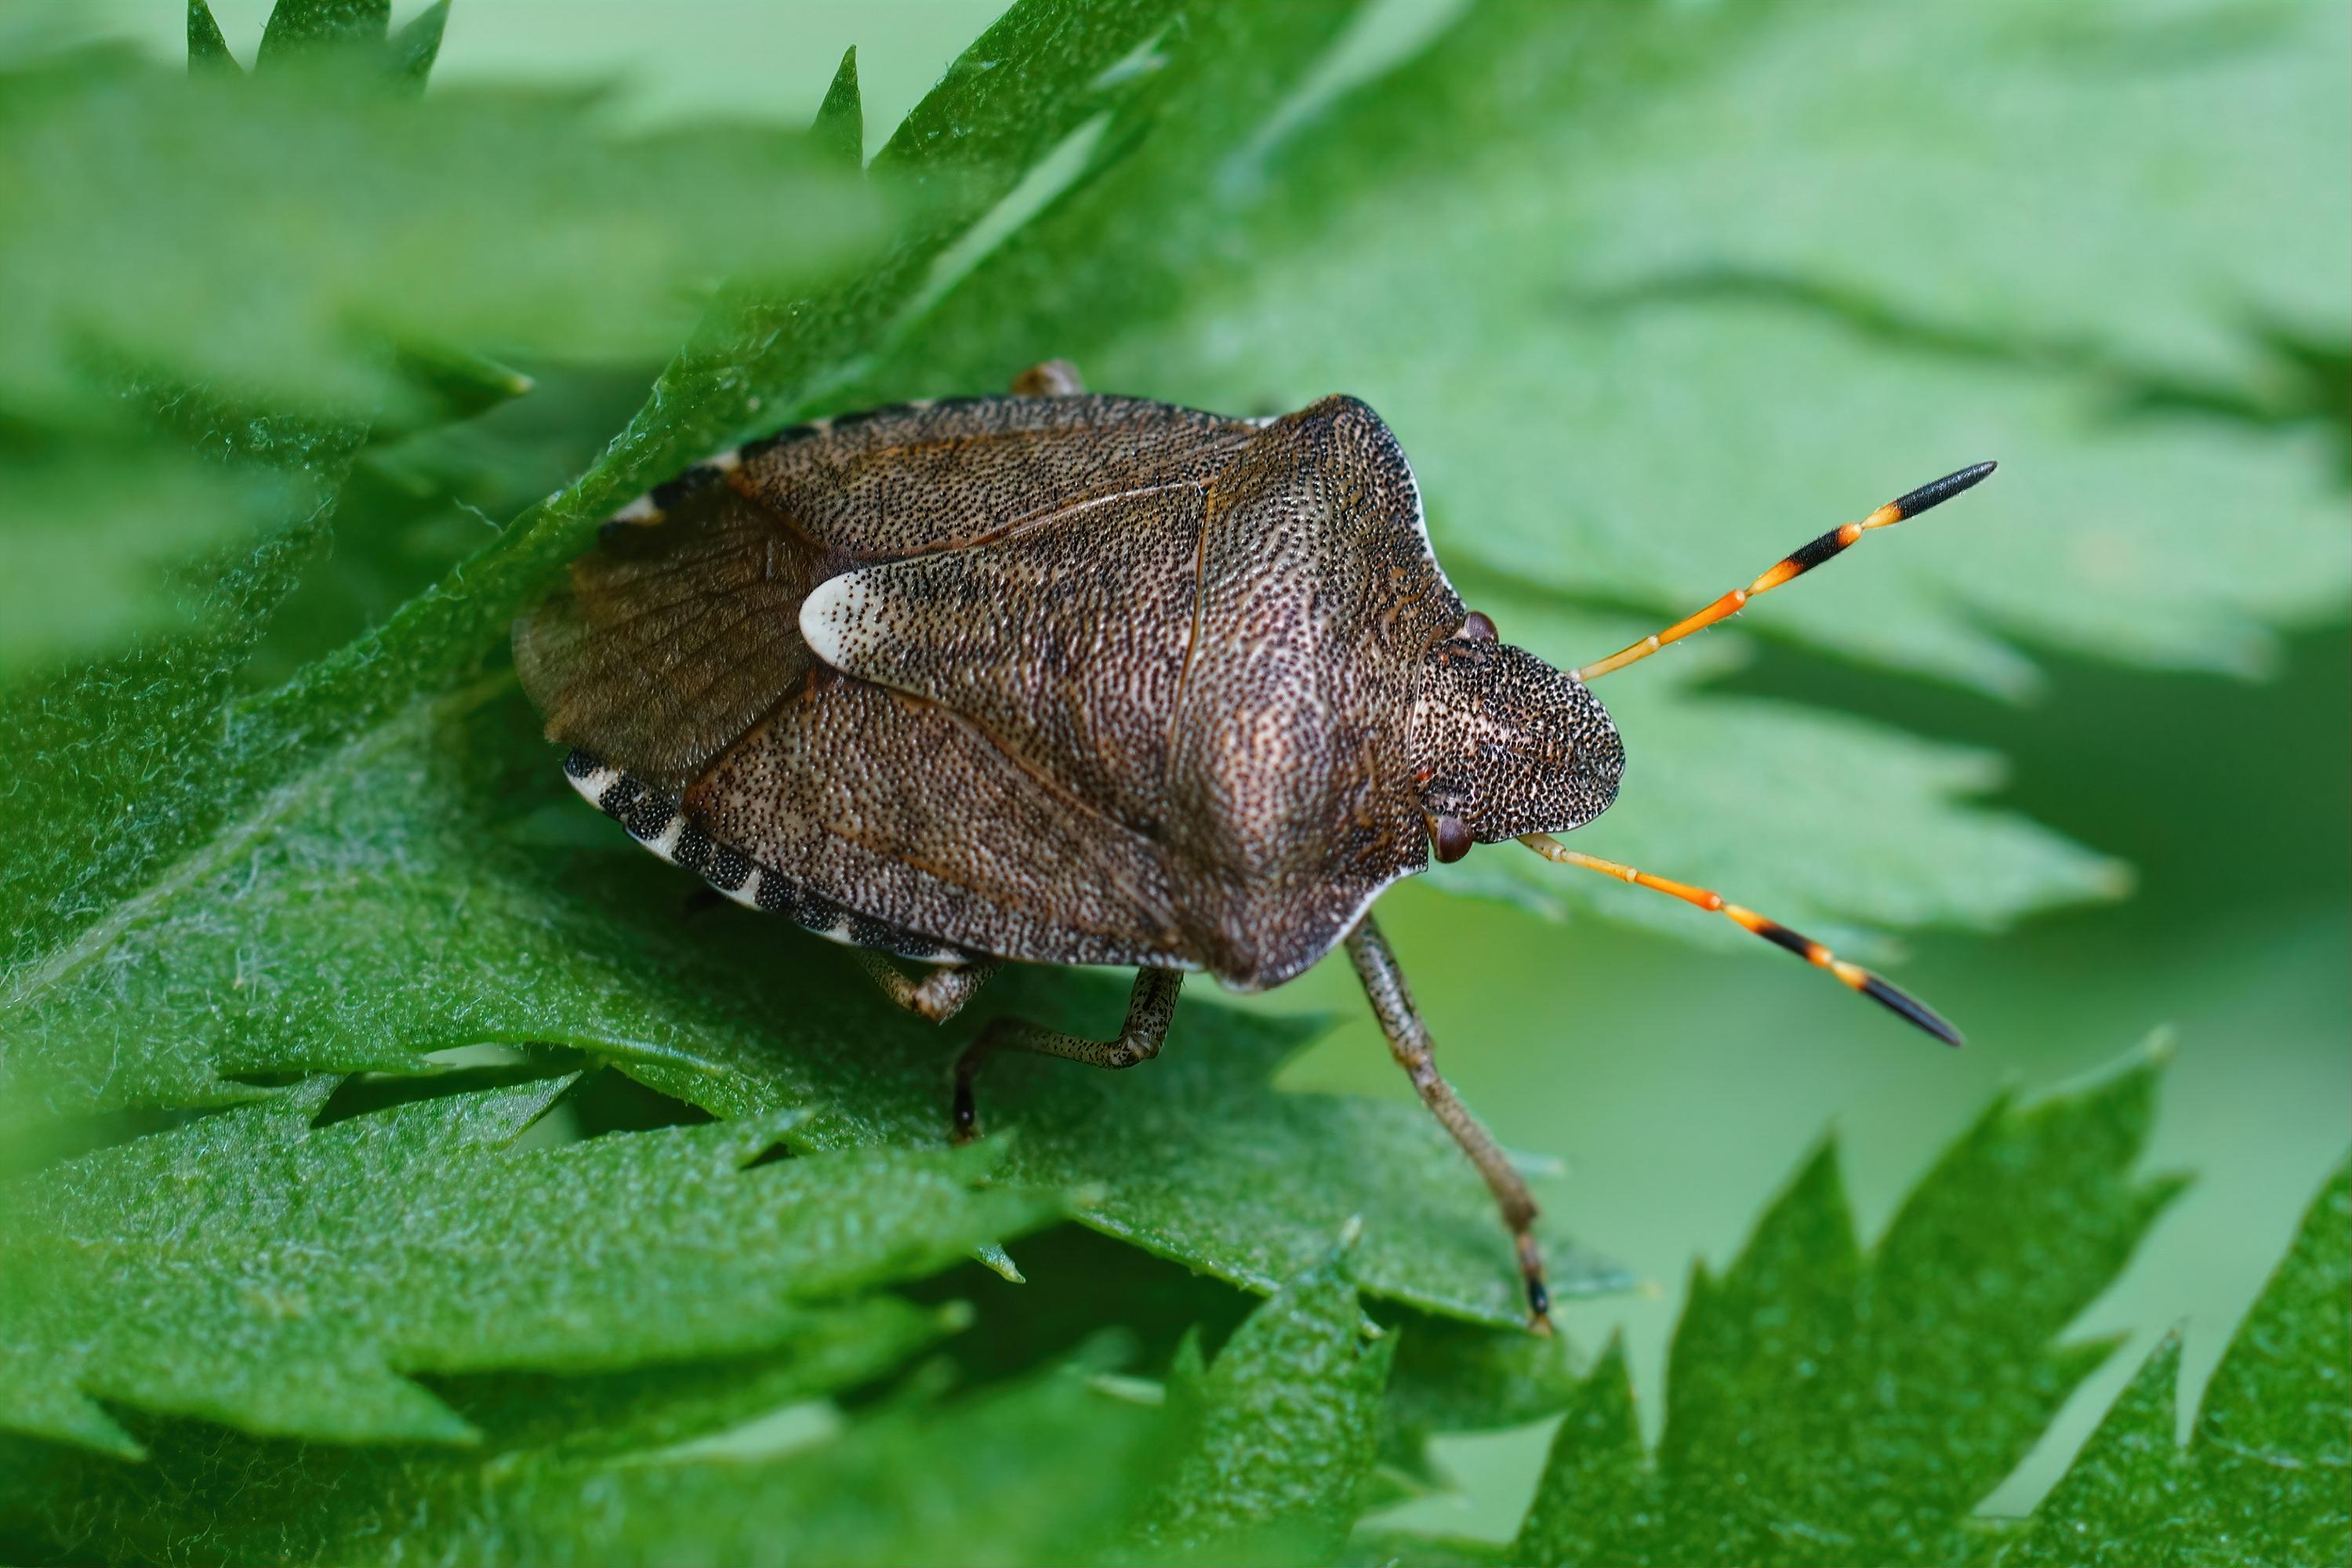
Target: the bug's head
(1504, 744)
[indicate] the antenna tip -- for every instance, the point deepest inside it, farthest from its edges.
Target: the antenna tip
(1938, 492)
(1910, 1009)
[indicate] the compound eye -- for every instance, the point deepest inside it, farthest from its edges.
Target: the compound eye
(1476, 627)
(1452, 838)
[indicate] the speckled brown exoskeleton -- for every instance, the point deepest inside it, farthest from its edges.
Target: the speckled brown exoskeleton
(1055, 677)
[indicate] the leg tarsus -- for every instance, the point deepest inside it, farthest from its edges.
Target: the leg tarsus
(1409, 1042)
(938, 995)
(1049, 378)
(1151, 1007)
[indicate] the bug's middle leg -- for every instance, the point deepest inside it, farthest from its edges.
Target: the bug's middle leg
(1409, 1042)
(938, 995)
(1149, 1008)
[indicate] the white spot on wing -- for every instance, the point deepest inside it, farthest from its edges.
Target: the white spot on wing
(725, 462)
(830, 613)
(641, 509)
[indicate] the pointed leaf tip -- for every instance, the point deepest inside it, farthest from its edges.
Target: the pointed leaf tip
(410, 55)
(207, 50)
(839, 130)
(316, 29)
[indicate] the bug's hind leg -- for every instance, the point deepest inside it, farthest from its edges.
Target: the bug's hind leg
(1150, 1007)
(938, 995)
(1409, 1041)
(1049, 378)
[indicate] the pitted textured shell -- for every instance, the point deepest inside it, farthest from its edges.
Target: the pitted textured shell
(1077, 679)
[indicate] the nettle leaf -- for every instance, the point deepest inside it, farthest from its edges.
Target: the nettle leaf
(207, 50)
(1045, 1472)
(1828, 1405)
(414, 48)
(433, 885)
(1530, 248)
(2267, 1475)
(101, 542)
(303, 29)
(840, 128)
(1049, 1470)
(1195, 1158)
(206, 1494)
(1451, 1376)
(260, 1269)
(1279, 1432)
(324, 238)
(490, 218)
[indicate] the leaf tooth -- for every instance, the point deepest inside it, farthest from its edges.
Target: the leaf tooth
(839, 130)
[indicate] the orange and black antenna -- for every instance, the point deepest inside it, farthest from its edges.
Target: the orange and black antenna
(1902, 1004)
(1794, 565)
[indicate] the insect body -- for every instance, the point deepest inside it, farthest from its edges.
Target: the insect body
(1067, 679)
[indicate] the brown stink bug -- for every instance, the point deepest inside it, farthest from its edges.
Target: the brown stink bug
(1055, 677)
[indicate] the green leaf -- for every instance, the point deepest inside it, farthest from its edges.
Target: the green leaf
(1280, 1431)
(1044, 1472)
(840, 128)
(1513, 246)
(414, 48)
(303, 31)
(103, 535)
(207, 50)
(1456, 1377)
(483, 218)
(1828, 1405)
(270, 1500)
(1195, 1158)
(2267, 1474)
(378, 243)
(291, 1275)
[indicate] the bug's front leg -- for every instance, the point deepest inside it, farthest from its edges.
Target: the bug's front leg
(1049, 378)
(1149, 1008)
(1409, 1041)
(938, 995)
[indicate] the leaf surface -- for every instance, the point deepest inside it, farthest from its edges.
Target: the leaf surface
(720, 1462)
(2267, 1475)
(1280, 1431)
(258, 1270)
(1527, 245)
(1826, 1403)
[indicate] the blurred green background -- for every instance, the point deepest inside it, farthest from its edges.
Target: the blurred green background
(1679, 1084)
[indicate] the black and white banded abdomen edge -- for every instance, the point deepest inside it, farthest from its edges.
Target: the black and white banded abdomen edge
(658, 822)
